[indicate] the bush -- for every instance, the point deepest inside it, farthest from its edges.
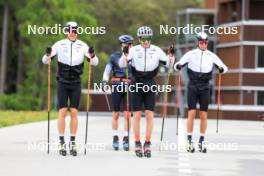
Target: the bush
(18, 102)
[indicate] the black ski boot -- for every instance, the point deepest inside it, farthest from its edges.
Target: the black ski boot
(73, 150)
(138, 149)
(125, 143)
(147, 150)
(115, 144)
(190, 146)
(62, 149)
(202, 147)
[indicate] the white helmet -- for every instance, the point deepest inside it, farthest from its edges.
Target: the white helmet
(71, 25)
(144, 31)
(202, 36)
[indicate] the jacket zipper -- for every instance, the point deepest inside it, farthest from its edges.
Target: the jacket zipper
(201, 62)
(145, 59)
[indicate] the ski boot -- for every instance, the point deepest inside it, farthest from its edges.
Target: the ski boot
(125, 143)
(202, 147)
(138, 149)
(73, 150)
(62, 149)
(147, 150)
(190, 146)
(115, 144)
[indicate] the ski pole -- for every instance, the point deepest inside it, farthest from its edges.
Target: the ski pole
(127, 104)
(171, 50)
(107, 101)
(87, 103)
(164, 109)
(48, 104)
(218, 101)
(178, 101)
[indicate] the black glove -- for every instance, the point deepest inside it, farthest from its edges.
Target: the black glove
(125, 50)
(48, 50)
(179, 67)
(221, 70)
(104, 84)
(91, 51)
(171, 50)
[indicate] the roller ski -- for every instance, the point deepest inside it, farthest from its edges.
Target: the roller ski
(202, 147)
(73, 150)
(147, 150)
(138, 149)
(125, 143)
(115, 144)
(190, 147)
(62, 149)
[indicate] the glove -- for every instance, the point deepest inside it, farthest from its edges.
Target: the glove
(221, 70)
(104, 85)
(91, 51)
(125, 50)
(48, 51)
(178, 67)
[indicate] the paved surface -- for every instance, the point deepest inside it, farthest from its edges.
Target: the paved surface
(237, 150)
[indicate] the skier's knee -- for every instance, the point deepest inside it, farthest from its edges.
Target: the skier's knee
(116, 115)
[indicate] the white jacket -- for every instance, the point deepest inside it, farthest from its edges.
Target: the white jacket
(70, 53)
(146, 59)
(201, 61)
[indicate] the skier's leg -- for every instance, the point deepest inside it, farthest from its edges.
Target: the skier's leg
(75, 95)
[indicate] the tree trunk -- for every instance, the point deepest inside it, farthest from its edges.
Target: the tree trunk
(20, 62)
(4, 49)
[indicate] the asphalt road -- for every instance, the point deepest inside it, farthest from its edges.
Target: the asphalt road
(237, 150)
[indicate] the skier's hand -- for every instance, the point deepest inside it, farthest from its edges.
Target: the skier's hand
(48, 51)
(104, 85)
(126, 50)
(178, 67)
(91, 52)
(221, 70)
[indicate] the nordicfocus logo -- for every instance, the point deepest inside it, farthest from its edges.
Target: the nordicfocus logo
(172, 146)
(192, 29)
(137, 87)
(55, 146)
(58, 29)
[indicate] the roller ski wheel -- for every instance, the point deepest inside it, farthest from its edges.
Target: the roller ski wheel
(138, 149)
(202, 147)
(73, 150)
(147, 150)
(62, 150)
(190, 147)
(126, 143)
(115, 144)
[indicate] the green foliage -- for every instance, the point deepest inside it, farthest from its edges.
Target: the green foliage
(118, 16)
(8, 118)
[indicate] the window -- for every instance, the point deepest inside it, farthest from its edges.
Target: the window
(260, 56)
(260, 98)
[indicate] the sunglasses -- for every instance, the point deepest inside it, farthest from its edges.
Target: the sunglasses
(203, 42)
(145, 39)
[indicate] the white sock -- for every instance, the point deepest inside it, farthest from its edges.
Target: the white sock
(125, 133)
(115, 132)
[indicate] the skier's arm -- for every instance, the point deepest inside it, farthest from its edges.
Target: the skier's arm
(89, 53)
(220, 65)
(50, 53)
(183, 61)
(107, 71)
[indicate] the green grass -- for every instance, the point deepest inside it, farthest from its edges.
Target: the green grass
(8, 118)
